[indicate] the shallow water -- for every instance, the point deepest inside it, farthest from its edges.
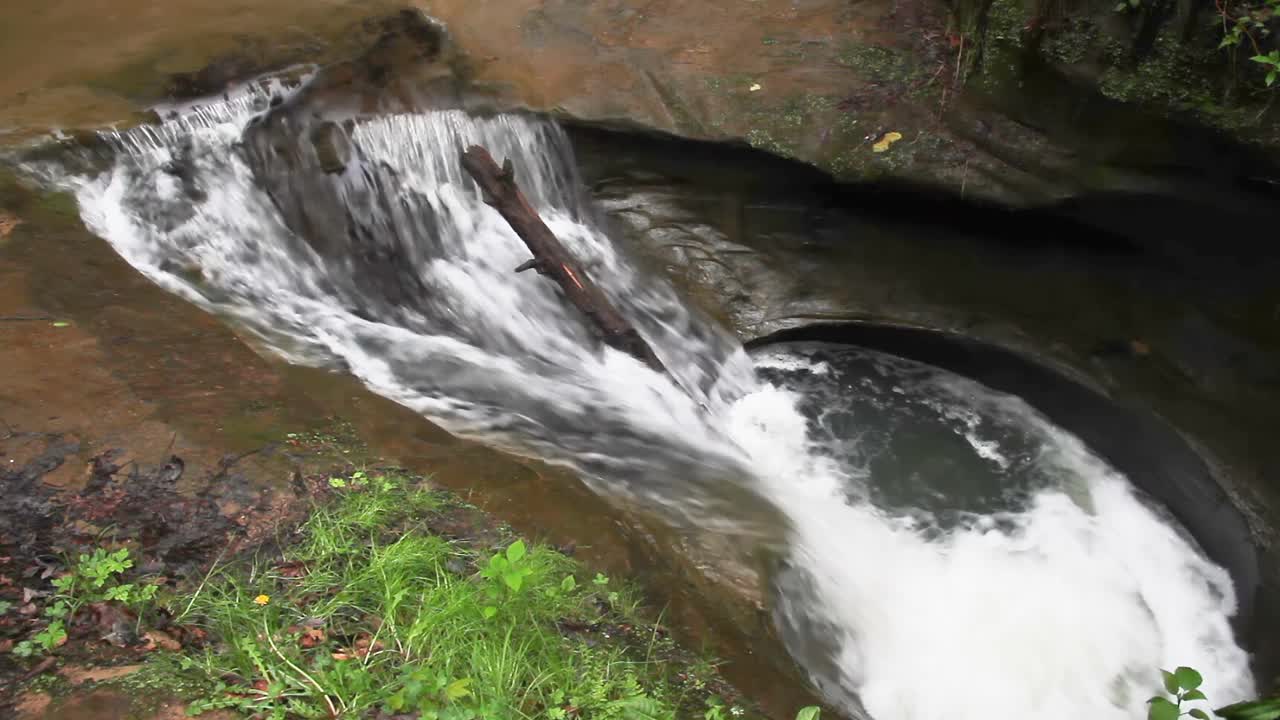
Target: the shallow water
(946, 550)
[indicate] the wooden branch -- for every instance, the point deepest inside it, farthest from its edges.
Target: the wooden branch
(551, 259)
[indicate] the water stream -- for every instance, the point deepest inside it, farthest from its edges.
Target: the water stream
(946, 551)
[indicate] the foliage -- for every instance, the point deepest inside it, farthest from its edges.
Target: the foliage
(1244, 23)
(1183, 686)
(1272, 62)
(94, 578)
(373, 612)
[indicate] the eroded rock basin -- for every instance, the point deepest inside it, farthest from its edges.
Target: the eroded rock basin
(760, 244)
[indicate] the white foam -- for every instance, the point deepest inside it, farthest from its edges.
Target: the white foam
(1067, 617)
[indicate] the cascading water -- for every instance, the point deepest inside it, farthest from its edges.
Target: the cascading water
(1054, 594)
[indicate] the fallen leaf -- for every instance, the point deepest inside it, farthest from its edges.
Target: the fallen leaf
(884, 142)
(312, 637)
(1139, 347)
(341, 655)
(755, 87)
(291, 569)
(62, 324)
(162, 640)
(364, 645)
(6, 645)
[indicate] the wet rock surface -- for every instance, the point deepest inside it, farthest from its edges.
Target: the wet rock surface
(992, 101)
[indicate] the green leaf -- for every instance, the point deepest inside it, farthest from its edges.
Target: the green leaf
(1162, 709)
(62, 324)
(1255, 710)
(1193, 695)
(1198, 714)
(568, 584)
(809, 713)
(458, 689)
(1170, 682)
(489, 611)
(1271, 78)
(516, 551)
(1188, 678)
(514, 580)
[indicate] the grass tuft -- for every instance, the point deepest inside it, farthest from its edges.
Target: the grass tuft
(371, 614)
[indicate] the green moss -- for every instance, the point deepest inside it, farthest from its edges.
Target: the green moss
(884, 64)
(1071, 44)
(1178, 78)
(1006, 21)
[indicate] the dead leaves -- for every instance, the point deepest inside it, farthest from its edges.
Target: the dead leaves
(160, 640)
(309, 637)
(291, 570)
(363, 647)
(312, 637)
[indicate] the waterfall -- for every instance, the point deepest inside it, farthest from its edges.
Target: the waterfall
(359, 243)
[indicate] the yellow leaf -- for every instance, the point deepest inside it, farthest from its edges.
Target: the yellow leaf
(755, 87)
(262, 600)
(883, 143)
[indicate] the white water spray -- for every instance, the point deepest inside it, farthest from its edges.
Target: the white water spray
(1060, 609)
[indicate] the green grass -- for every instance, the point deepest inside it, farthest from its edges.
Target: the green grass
(368, 613)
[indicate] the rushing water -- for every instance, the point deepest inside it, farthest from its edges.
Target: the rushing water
(947, 552)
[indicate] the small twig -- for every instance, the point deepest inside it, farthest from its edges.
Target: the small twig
(24, 318)
(40, 667)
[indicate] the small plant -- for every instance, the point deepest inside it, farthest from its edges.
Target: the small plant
(434, 696)
(1272, 62)
(506, 573)
(46, 640)
(94, 578)
(1183, 685)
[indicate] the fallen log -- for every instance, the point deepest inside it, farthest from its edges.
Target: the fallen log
(551, 259)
